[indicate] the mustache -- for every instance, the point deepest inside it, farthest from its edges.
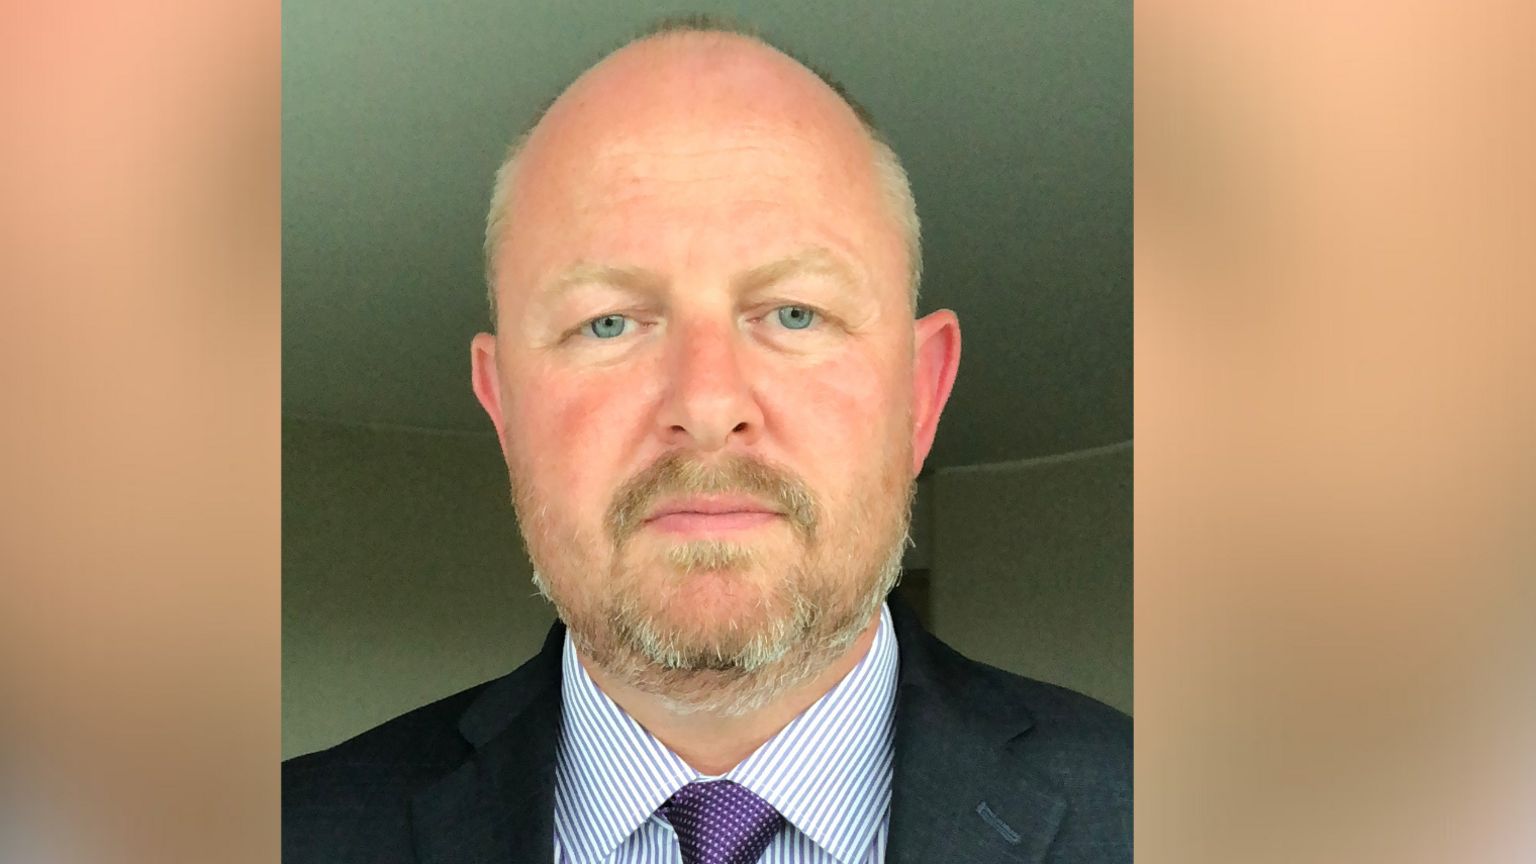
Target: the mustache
(680, 473)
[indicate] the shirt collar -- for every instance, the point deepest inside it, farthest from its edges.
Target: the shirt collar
(828, 771)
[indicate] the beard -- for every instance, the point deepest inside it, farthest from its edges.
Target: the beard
(716, 625)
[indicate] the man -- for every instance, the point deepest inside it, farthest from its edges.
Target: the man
(713, 399)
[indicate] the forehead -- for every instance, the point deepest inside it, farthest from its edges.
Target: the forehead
(718, 177)
(696, 138)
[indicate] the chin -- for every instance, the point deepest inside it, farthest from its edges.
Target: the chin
(700, 598)
(705, 607)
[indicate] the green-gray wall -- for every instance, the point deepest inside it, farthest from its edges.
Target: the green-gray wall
(1032, 567)
(404, 579)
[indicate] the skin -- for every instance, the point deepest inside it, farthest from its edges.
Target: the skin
(696, 184)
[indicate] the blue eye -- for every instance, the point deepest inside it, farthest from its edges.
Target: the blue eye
(796, 317)
(608, 326)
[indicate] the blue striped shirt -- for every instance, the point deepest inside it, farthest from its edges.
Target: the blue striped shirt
(828, 772)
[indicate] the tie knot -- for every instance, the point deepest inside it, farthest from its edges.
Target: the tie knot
(720, 822)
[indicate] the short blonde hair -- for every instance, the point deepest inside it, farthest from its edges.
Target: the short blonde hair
(895, 185)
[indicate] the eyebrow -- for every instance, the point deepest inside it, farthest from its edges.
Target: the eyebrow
(633, 278)
(811, 260)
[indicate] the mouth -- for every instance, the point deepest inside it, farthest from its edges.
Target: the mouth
(710, 515)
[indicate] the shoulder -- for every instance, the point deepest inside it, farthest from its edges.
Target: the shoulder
(417, 741)
(1069, 741)
(351, 802)
(1038, 747)
(1081, 742)
(1054, 711)
(1056, 720)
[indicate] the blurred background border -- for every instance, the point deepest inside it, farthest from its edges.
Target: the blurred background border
(1334, 480)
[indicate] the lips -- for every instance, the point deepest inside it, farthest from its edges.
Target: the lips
(710, 505)
(708, 514)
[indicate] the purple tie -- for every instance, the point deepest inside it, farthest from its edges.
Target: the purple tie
(719, 822)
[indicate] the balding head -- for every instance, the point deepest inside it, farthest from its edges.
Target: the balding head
(700, 75)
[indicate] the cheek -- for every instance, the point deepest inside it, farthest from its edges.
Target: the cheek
(573, 434)
(839, 418)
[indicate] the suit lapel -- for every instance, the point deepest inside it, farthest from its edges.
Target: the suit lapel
(959, 792)
(498, 806)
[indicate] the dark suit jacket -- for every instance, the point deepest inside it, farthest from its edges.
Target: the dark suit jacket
(989, 767)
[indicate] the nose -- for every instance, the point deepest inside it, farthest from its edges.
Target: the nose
(709, 401)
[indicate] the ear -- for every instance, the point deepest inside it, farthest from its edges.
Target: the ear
(936, 359)
(485, 379)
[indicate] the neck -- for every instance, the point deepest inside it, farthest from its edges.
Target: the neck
(713, 744)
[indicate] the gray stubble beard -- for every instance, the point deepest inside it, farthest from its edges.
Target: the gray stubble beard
(821, 615)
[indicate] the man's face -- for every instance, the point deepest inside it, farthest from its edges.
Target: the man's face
(703, 376)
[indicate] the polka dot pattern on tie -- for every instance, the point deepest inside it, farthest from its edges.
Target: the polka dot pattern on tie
(720, 822)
